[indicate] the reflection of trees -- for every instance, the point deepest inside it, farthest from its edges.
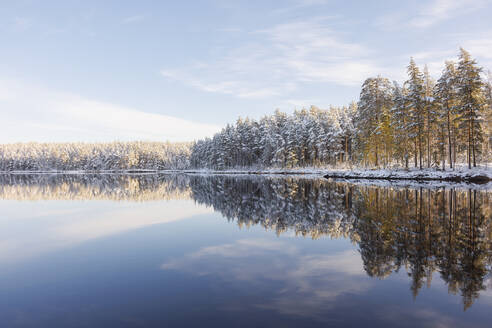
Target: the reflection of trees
(426, 231)
(143, 187)
(309, 207)
(445, 231)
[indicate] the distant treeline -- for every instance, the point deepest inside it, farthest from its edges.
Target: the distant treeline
(422, 121)
(94, 156)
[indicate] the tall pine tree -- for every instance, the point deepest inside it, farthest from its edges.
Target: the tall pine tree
(471, 103)
(445, 96)
(416, 101)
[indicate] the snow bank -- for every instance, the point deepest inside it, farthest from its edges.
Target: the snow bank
(476, 175)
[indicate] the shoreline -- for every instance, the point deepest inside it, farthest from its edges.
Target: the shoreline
(478, 179)
(477, 176)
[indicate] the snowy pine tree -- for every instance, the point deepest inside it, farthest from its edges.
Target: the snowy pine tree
(471, 103)
(373, 107)
(416, 102)
(445, 97)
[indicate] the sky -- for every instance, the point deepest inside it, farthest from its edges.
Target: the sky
(180, 70)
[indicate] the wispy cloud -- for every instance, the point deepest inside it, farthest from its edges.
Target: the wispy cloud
(34, 113)
(428, 14)
(297, 5)
(478, 44)
(277, 60)
(230, 29)
(302, 103)
(440, 10)
(241, 89)
(481, 46)
(133, 19)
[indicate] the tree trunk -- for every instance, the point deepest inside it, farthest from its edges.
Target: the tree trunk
(376, 159)
(468, 150)
(443, 149)
(428, 138)
(415, 153)
(449, 140)
(454, 148)
(350, 150)
(420, 151)
(473, 143)
(346, 148)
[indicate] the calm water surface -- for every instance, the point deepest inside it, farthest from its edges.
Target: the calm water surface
(238, 251)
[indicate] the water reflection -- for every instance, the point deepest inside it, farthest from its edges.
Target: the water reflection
(93, 187)
(446, 230)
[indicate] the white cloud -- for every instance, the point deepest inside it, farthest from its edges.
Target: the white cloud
(230, 30)
(133, 19)
(32, 113)
(480, 47)
(302, 103)
(300, 5)
(313, 2)
(440, 10)
(428, 14)
(276, 61)
(237, 88)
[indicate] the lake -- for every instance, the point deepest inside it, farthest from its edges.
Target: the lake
(242, 251)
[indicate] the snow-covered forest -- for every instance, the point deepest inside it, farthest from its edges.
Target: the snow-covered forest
(424, 123)
(421, 123)
(96, 156)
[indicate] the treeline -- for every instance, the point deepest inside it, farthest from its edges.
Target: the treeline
(422, 121)
(94, 156)
(427, 121)
(306, 138)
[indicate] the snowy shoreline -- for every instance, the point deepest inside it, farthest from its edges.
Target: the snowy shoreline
(478, 175)
(472, 176)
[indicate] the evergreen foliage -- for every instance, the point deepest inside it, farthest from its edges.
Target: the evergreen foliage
(430, 121)
(94, 157)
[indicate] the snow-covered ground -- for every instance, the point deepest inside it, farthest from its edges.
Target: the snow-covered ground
(415, 174)
(460, 174)
(481, 174)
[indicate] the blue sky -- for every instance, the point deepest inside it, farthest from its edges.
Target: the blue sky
(180, 70)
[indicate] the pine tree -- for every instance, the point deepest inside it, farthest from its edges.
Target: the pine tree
(416, 101)
(399, 122)
(347, 124)
(429, 111)
(488, 117)
(471, 103)
(375, 101)
(445, 95)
